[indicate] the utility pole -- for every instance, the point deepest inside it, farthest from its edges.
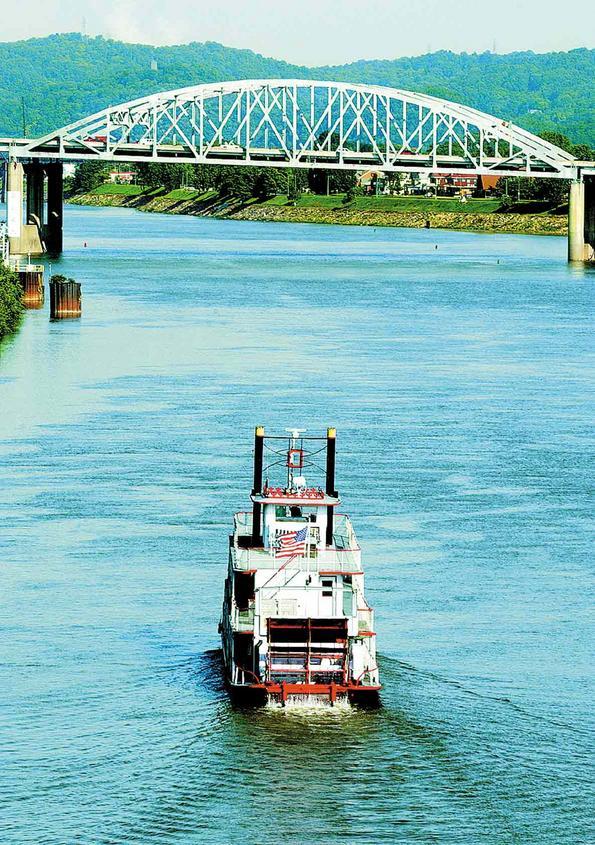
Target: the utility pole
(24, 117)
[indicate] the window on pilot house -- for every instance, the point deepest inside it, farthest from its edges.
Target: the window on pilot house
(327, 588)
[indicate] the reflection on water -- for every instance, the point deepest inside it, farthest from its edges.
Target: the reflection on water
(457, 379)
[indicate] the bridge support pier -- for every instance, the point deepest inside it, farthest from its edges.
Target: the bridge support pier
(34, 176)
(41, 229)
(590, 218)
(581, 220)
(54, 225)
(14, 204)
(24, 238)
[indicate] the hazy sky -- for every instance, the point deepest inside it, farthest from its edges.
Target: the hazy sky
(318, 31)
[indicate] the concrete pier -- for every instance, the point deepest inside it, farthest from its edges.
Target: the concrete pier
(14, 204)
(65, 298)
(576, 221)
(24, 238)
(581, 220)
(55, 204)
(34, 177)
(589, 218)
(31, 279)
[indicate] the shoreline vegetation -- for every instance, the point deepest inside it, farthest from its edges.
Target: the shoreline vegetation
(479, 215)
(11, 307)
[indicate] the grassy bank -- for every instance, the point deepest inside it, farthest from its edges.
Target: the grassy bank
(11, 309)
(484, 215)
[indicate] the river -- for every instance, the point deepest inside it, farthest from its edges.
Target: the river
(457, 369)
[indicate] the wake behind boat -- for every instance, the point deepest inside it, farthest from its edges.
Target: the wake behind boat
(295, 620)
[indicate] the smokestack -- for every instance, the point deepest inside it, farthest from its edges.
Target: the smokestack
(257, 484)
(331, 442)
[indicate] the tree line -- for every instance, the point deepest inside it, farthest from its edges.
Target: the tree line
(243, 183)
(262, 183)
(50, 82)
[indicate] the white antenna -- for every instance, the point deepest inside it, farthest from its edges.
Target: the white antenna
(295, 432)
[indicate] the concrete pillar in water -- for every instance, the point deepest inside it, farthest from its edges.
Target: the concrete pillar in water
(35, 183)
(23, 238)
(576, 221)
(14, 205)
(589, 218)
(54, 225)
(65, 299)
(31, 279)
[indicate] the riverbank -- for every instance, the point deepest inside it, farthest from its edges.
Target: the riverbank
(480, 215)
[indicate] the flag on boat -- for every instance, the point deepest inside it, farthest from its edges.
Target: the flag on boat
(292, 543)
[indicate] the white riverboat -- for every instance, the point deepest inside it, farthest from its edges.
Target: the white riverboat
(295, 621)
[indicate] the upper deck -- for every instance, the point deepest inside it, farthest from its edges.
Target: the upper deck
(343, 556)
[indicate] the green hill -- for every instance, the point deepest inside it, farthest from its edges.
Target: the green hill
(65, 77)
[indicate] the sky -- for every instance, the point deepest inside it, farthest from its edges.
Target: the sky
(316, 32)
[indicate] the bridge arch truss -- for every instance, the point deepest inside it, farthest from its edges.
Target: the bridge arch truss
(303, 124)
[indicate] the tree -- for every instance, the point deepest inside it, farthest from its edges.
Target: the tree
(297, 180)
(265, 185)
(349, 196)
(558, 140)
(11, 308)
(338, 181)
(394, 182)
(515, 188)
(88, 176)
(537, 91)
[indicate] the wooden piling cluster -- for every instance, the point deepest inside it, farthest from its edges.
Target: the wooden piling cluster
(65, 298)
(31, 279)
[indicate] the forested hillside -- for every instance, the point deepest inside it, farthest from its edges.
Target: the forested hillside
(63, 77)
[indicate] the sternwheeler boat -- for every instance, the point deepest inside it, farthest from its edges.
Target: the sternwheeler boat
(295, 623)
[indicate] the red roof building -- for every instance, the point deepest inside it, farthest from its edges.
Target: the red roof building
(454, 182)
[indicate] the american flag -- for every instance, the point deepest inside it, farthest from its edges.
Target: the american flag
(292, 543)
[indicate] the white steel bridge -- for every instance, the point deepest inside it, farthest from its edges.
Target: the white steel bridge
(291, 123)
(302, 124)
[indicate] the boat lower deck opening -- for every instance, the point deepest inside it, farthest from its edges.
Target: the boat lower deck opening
(307, 651)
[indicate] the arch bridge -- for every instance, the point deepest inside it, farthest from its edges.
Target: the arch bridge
(296, 124)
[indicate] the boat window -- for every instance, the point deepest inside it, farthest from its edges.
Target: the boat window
(327, 587)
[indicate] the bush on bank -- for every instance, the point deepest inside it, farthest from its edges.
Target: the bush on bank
(11, 308)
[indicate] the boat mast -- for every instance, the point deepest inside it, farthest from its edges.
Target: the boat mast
(331, 443)
(257, 485)
(293, 449)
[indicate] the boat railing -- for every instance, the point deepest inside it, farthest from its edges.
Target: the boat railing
(243, 619)
(343, 536)
(242, 524)
(19, 266)
(332, 560)
(295, 600)
(365, 620)
(369, 677)
(244, 676)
